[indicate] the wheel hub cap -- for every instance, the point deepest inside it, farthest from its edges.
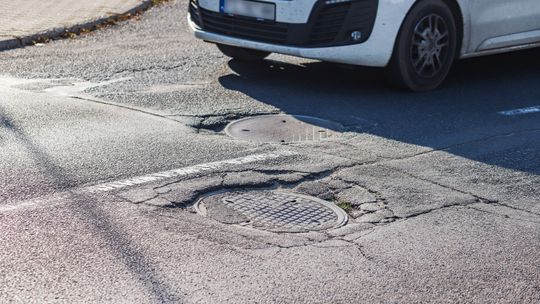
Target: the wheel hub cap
(430, 44)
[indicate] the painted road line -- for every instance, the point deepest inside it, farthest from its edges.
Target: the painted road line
(522, 111)
(186, 171)
(56, 199)
(47, 201)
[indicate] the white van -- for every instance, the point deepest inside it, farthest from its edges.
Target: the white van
(416, 40)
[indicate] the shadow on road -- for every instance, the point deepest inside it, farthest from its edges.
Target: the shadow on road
(465, 109)
(119, 243)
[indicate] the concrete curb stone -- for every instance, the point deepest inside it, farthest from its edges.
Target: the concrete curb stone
(56, 33)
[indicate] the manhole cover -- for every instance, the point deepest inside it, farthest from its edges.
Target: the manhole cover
(284, 128)
(276, 211)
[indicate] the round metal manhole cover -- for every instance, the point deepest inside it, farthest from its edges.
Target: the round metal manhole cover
(284, 129)
(275, 211)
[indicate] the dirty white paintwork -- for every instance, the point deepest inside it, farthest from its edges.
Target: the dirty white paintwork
(502, 23)
(489, 26)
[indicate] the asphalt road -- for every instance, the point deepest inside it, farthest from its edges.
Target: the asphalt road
(461, 179)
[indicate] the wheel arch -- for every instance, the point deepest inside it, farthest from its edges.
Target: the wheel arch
(458, 13)
(457, 8)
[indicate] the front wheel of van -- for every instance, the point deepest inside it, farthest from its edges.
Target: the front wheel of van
(425, 48)
(242, 54)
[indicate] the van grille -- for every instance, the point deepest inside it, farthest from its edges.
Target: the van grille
(328, 25)
(252, 29)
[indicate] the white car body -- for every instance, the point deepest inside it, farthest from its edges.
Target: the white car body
(488, 26)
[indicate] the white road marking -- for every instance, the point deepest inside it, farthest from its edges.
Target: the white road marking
(522, 111)
(47, 201)
(186, 171)
(75, 88)
(56, 199)
(65, 87)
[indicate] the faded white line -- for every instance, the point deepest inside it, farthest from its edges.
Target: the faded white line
(522, 111)
(75, 88)
(56, 199)
(187, 171)
(47, 201)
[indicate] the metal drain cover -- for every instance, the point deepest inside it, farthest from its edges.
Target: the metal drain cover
(284, 128)
(276, 211)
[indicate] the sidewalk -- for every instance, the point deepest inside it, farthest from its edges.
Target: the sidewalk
(24, 21)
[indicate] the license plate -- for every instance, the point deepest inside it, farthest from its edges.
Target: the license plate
(258, 10)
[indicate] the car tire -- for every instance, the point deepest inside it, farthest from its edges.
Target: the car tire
(242, 54)
(425, 48)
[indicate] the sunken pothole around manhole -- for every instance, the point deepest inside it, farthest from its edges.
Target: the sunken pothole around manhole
(271, 210)
(283, 128)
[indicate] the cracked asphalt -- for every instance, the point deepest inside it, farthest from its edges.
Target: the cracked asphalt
(441, 189)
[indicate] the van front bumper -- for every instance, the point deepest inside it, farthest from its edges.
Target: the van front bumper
(375, 49)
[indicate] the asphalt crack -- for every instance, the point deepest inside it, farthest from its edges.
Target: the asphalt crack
(217, 122)
(152, 68)
(479, 140)
(516, 208)
(505, 216)
(480, 198)
(108, 103)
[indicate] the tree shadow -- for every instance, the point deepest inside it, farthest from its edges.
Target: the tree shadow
(118, 241)
(465, 109)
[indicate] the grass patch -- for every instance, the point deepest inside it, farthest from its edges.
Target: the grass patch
(158, 2)
(344, 205)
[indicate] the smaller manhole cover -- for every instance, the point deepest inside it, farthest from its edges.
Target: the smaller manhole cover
(276, 211)
(284, 128)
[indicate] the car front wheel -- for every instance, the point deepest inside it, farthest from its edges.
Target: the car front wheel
(425, 48)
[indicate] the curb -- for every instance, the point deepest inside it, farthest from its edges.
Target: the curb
(63, 32)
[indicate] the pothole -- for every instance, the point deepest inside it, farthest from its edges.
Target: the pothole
(282, 128)
(276, 211)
